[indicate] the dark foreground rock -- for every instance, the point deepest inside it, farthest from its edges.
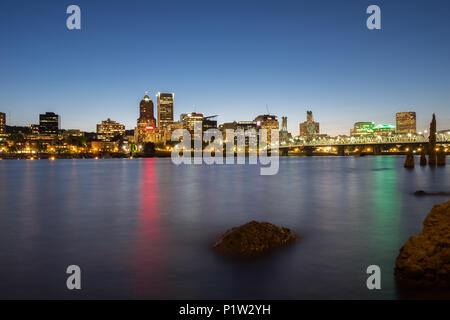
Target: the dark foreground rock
(424, 260)
(424, 193)
(253, 237)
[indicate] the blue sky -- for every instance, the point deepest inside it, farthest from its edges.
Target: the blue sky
(230, 58)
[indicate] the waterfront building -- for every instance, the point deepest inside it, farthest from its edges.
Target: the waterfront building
(189, 119)
(2, 123)
(362, 129)
(406, 122)
(268, 122)
(209, 123)
(383, 130)
(108, 130)
(227, 126)
(175, 125)
(238, 125)
(49, 124)
(165, 109)
(309, 129)
(104, 146)
(73, 133)
(247, 125)
(34, 129)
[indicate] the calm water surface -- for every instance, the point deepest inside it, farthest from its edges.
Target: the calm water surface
(144, 228)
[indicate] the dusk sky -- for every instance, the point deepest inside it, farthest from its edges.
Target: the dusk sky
(228, 58)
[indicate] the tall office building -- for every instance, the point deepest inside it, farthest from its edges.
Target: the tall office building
(284, 134)
(269, 123)
(309, 128)
(108, 130)
(406, 122)
(146, 115)
(146, 130)
(165, 109)
(284, 124)
(2, 123)
(190, 119)
(49, 123)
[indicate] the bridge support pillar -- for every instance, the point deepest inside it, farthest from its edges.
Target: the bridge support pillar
(341, 151)
(283, 152)
(377, 149)
(309, 151)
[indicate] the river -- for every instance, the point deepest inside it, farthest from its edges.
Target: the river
(144, 228)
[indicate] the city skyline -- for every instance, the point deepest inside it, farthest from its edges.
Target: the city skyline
(299, 123)
(289, 56)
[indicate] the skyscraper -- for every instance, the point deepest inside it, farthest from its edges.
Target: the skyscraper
(165, 109)
(146, 115)
(406, 122)
(49, 123)
(2, 123)
(309, 128)
(146, 125)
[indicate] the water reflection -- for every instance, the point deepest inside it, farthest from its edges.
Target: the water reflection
(147, 258)
(144, 228)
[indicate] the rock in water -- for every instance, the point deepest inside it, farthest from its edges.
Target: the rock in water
(424, 260)
(253, 237)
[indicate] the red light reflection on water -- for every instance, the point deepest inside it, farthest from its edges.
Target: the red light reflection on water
(148, 252)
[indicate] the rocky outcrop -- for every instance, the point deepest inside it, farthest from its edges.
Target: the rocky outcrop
(424, 260)
(424, 193)
(253, 238)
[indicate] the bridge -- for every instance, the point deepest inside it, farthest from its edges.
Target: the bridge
(392, 144)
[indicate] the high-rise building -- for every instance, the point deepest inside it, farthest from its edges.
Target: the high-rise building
(107, 130)
(309, 128)
(146, 124)
(165, 109)
(2, 123)
(49, 123)
(268, 122)
(406, 122)
(189, 120)
(284, 124)
(284, 134)
(146, 112)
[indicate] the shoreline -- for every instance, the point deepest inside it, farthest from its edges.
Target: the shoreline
(168, 155)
